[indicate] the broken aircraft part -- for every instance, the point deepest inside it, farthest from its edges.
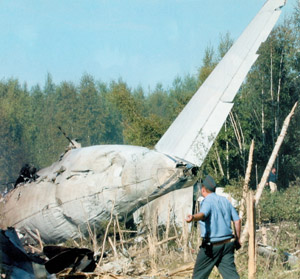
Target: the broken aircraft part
(171, 208)
(79, 259)
(95, 181)
(213, 101)
(88, 183)
(15, 262)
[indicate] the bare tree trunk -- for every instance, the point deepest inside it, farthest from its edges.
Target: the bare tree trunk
(247, 179)
(271, 77)
(243, 141)
(215, 168)
(239, 135)
(219, 161)
(274, 154)
(227, 153)
(269, 165)
(236, 131)
(263, 114)
(185, 240)
(256, 175)
(278, 98)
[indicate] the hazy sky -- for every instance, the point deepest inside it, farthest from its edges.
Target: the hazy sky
(142, 41)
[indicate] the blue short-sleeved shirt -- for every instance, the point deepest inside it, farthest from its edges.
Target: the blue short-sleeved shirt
(219, 213)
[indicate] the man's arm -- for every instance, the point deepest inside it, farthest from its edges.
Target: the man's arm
(195, 217)
(237, 231)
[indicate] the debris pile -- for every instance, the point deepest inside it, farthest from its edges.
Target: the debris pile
(123, 254)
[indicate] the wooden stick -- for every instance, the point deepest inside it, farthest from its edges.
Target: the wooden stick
(251, 247)
(128, 231)
(156, 244)
(168, 222)
(185, 239)
(113, 247)
(115, 236)
(34, 249)
(120, 233)
(39, 239)
(93, 236)
(186, 267)
(152, 251)
(105, 235)
(36, 236)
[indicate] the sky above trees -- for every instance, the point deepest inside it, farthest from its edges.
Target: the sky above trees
(143, 42)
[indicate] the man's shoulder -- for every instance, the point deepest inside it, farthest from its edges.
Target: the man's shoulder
(218, 197)
(211, 197)
(224, 201)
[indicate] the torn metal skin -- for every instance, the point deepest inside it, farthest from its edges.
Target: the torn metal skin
(89, 183)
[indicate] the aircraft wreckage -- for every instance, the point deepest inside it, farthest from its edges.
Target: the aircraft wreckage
(88, 184)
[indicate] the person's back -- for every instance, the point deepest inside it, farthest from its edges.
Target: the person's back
(219, 213)
(217, 249)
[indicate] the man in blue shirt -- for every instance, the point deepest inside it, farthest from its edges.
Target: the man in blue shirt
(219, 243)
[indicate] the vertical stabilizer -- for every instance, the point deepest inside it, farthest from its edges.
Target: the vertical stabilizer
(192, 133)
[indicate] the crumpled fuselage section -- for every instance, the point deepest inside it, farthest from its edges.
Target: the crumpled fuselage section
(87, 185)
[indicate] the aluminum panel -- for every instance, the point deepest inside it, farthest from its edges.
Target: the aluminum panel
(222, 85)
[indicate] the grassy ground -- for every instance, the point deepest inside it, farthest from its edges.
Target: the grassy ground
(170, 252)
(175, 258)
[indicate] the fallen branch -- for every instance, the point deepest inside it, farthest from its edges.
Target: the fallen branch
(156, 244)
(120, 233)
(187, 267)
(105, 235)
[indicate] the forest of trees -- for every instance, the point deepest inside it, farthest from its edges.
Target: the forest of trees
(98, 113)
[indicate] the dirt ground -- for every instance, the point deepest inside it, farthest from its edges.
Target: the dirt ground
(174, 257)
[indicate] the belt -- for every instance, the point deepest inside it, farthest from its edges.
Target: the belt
(222, 242)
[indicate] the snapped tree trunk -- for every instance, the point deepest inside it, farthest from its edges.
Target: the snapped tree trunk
(247, 179)
(269, 165)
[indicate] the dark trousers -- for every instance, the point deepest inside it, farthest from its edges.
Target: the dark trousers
(221, 256)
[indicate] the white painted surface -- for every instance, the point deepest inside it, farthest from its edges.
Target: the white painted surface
(204, 115)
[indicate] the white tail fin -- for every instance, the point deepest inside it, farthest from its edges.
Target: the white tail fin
(192, 133)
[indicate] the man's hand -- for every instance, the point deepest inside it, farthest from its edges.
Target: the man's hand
(189, 218)
(237, 244)
(237, 232)
(196, 217)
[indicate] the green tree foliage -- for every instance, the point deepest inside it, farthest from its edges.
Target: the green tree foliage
(139, 128)
(287, 203)
(209, 63)
(225, 44)
(99, 113)
(13, 122)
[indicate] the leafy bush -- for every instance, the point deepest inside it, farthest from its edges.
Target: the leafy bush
(280, 206)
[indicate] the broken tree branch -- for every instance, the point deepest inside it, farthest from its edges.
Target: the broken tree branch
(156, 244)
(274, 154)
(269, 165)
(184, 268)
(105, 235)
